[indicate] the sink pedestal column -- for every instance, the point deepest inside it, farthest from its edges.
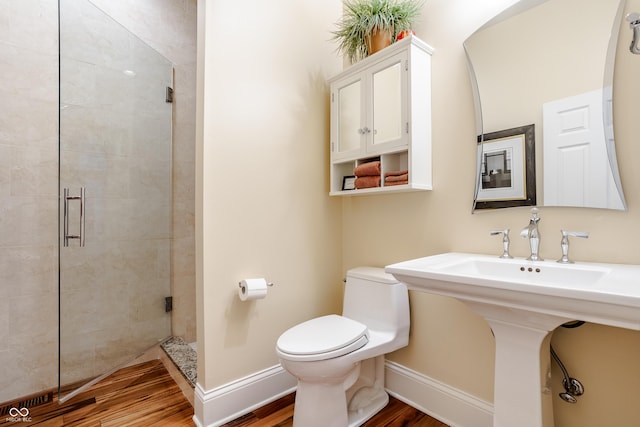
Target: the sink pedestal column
(522, 393)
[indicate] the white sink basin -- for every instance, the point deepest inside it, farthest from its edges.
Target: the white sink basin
(601, 293)
(526, 273)
(523, 302)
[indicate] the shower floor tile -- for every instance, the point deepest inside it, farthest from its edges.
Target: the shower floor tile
(184, 357)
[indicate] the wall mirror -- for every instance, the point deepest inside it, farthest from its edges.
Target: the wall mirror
(547, 64)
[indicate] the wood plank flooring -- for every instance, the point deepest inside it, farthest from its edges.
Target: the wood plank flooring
(145, 395)
(141, 395)
(280, 414)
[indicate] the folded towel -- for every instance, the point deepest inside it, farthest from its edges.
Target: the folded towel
(367, 182)
(388, 183)
(396, 178)
(368, 169)
(396, 173)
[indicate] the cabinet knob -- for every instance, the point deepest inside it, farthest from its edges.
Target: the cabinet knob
(364, 130)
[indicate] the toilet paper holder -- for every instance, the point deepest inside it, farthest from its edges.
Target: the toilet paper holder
(270, 284)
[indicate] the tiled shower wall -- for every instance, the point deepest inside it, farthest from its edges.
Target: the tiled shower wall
(169, 26)
(115, 140)
(28, 177)
(29, 193)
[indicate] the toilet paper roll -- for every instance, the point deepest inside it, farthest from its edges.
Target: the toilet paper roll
(251, 289)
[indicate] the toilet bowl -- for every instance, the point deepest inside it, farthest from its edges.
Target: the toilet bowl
(339, 360)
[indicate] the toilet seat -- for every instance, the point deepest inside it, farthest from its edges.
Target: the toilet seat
(322, 338)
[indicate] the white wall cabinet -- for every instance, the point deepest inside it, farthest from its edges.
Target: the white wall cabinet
(381, 111)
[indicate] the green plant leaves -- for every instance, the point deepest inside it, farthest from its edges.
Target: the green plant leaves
(362, 17)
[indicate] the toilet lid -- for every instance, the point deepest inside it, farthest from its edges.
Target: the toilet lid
(322, 338)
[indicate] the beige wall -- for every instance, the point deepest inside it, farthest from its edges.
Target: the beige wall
(262, 208)
(262, 201)
(448, 342)
(263, 126)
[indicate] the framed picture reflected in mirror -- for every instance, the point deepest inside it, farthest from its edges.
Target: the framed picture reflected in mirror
(507, 168)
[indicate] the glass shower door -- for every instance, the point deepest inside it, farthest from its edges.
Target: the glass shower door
(115, 194)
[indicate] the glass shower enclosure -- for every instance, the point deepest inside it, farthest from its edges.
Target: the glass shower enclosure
(115, 195)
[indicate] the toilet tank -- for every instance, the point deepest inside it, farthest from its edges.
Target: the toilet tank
(376, 299)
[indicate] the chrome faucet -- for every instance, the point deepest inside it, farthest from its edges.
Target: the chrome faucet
(531, 232)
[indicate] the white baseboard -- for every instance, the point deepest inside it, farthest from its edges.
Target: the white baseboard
(445, 403)
(225, 403)
(453, 407)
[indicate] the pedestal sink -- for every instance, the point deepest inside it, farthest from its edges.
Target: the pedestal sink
(523, 302)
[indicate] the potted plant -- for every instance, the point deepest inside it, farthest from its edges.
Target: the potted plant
(364, 22)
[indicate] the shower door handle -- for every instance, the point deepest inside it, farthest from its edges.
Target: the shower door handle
(80, 235)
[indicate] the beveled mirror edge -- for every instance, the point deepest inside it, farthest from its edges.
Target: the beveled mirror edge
(608, 106)
(478, 118)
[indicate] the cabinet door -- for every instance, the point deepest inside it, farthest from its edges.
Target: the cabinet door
(347, 116)
(389, 104)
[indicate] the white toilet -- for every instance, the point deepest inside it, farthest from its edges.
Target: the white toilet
(339, 360)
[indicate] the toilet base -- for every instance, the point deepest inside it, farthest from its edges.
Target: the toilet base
(322, 405)
(328, 404)
(357, 418)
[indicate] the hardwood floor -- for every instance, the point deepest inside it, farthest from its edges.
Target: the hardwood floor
(145, 395)
(280, 414)
(141, 395)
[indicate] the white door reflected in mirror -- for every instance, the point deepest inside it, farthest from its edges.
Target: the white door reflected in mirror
(576, 166)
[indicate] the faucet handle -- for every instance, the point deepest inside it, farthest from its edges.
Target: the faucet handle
(505, 242)
(583, 234)
(564, 244)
